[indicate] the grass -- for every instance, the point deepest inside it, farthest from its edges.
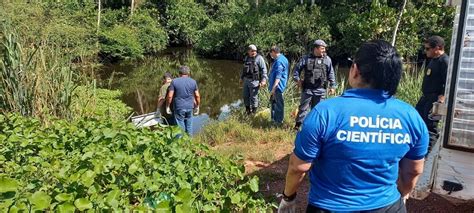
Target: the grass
(255, 139)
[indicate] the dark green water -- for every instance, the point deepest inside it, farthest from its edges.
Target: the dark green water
(218, 80)
(140, 81)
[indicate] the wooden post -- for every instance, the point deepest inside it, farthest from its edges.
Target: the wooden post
(98, 22)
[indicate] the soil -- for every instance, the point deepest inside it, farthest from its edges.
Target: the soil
(272, 182)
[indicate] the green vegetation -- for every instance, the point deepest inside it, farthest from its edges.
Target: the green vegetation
(34, 81)
(95, 165)
(73, 28)
(223, 29)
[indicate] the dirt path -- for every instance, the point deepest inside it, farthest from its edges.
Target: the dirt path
(272, 178)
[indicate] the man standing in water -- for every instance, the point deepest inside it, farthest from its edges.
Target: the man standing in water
(364, 150)
(277, 85)
(253, 76)
(317, 72)
(434, 82)
(184, 93)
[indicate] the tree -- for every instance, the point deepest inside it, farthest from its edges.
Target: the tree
(394, 36)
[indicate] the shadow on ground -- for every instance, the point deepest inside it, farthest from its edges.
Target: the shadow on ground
(272, 182)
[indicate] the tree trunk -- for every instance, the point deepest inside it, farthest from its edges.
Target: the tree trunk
(394, 36)
(132, 7)
(98, 22)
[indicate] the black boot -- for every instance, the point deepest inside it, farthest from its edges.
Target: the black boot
(254, 110)
(248, 110)
(297, 126)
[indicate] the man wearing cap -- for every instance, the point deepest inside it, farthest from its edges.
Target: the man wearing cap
(317, 71)
(253, 76)
(184, 93)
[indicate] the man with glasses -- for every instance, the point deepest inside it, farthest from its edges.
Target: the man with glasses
(434, 81)
(253, 76)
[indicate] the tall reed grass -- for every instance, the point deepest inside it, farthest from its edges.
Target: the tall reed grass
(34, 81)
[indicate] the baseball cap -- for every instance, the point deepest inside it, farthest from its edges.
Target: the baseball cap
(252, 47)
(319, 43)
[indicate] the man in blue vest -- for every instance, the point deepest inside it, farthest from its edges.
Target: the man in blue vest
(364, 150)
(277, 85)
(253, 76)
(317, 71)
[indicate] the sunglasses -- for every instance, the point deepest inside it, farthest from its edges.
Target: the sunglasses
(428, 48)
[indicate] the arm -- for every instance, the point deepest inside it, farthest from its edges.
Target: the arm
(410, 171)
(197, 98)
(297, 70)
(411, 165)
(242, 70)
(297, 169)
(161, 97)
(307, 148)
(331, 74)
(279, 73)
(169, 98)
(444, 73)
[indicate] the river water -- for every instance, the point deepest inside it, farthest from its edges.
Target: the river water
(140, 81)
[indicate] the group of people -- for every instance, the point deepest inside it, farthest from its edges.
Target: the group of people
(364, 151)
(313, 73)
(179, 99)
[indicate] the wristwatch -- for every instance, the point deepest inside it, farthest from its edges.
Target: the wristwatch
(288, 198)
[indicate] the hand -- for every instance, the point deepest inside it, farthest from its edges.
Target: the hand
(272, 93)
(240, 82)
(441, 98)
(168, 110)
(287, 206)
(332, 91)
(158, 112)
(196, 110)
(262, 84)
(405, 198)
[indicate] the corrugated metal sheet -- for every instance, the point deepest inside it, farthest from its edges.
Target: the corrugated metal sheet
(462, 128)
(456, 166)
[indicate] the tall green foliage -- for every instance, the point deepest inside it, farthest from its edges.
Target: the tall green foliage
(36, 81)
(184, 20)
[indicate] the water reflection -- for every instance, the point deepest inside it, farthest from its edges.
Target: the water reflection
(140, 81)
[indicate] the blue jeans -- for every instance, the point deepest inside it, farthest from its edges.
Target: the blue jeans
(278, 108)
(184, 119)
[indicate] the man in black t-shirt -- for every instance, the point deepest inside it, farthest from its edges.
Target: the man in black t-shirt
(434, 82)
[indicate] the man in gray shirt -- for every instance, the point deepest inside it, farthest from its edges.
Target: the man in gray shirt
(317, 71)
(253, 76)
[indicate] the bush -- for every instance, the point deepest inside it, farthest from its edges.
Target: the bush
(101, 104)
(292, 31)
(152, 36)
(184, 20)
(105, 165)
(121, 41)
